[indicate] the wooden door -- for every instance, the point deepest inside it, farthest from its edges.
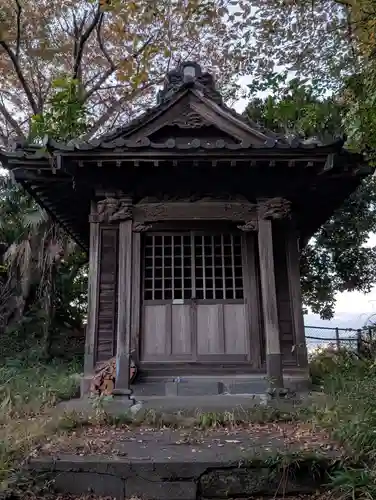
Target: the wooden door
(193, 298)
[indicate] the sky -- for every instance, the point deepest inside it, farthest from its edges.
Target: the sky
(353, 309)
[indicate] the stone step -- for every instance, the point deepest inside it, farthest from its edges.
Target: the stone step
(196, 386)
(190, 477)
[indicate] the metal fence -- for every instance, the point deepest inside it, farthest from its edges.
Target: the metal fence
(323, 336)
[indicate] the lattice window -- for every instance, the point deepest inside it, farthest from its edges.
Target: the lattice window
(168, 263)
(218, 267)
(186, 266)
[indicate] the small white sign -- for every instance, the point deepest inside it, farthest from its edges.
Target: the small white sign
(178, 302)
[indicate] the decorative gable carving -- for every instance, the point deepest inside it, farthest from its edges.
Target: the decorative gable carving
(190, 120)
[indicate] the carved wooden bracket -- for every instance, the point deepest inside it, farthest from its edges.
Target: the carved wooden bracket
(112, 210)
(124, 212)
(250, 225)
(139, 227)
(274, 208)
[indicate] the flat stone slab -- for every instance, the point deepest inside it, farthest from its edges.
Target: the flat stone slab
(219, 445)
(169, 464)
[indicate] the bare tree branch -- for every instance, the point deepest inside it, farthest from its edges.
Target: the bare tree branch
(111, 70)
(9, 118)
(99, 84)
(113, 109)
(18, 42)
(83, 39)
(101, 43)
(20, 75)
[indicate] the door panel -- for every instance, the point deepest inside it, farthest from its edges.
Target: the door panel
(193, 298)
(156, 331)
(181, 329)
(210, 335)
(235, 329)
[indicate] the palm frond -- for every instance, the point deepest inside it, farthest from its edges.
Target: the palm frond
(35, 217)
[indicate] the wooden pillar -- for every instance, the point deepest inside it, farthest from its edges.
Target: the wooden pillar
(92, 306)
(269, 304)
(136, 296)
(293, 273)
(251, 294)
(124, 308)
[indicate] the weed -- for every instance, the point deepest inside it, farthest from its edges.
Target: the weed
(28, 393)
(349, 413)
(72, 420)
(349, 483)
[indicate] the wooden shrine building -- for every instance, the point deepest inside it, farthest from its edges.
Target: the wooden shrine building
(193, 218)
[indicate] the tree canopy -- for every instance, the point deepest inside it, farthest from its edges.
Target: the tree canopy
(330, 42)
(116, 51)
(336, 259)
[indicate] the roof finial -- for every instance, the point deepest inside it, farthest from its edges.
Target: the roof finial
(188, 73)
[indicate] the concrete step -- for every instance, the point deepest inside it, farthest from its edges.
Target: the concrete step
(156, 465)
(198, 386)
(211, 386)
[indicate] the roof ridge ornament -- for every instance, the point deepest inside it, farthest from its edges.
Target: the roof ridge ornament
(188, 74)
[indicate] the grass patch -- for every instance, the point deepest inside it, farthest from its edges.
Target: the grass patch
(349, 413)
(28, 394)
(198, 419)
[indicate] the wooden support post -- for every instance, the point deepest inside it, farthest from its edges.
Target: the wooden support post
(92, 314)
(293, 274)
(251, 291)
(136, 296)
(124, 309)
(269, 305)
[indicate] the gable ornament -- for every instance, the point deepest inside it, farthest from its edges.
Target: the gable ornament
(190, 120)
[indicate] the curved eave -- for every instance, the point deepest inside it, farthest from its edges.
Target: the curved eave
(170, 147)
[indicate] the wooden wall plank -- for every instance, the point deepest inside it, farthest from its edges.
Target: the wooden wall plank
(93, 292)
(107, 301)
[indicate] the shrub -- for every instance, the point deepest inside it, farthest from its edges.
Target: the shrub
(330, 360)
